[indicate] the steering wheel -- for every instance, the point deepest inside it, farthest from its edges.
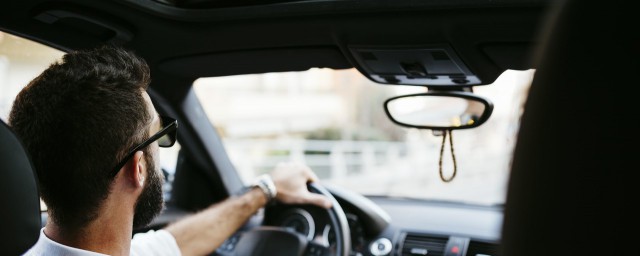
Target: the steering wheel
(270, 240)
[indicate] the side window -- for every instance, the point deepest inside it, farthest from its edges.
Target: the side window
(168, 163)
(21, 60)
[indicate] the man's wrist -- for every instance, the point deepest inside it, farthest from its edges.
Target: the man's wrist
(265, 183)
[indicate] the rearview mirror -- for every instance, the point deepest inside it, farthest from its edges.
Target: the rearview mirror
(439, 110)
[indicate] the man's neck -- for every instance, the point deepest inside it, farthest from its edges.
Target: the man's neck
(108, 234)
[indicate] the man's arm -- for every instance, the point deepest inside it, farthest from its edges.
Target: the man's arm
(202, 233)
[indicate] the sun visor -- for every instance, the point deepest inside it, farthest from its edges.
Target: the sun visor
(255, 61)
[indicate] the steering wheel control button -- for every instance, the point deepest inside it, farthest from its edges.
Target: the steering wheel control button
(380, 247)
(316, 250)
(228, 245)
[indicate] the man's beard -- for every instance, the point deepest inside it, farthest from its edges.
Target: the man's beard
(150, 203)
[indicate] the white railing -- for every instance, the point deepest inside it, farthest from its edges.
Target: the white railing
(330, 159)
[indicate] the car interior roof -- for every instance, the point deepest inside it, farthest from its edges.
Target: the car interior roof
(489, 36)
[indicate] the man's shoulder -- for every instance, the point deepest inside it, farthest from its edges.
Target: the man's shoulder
(153, 242)
(46, 246)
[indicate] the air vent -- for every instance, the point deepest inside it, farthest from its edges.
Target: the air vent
(482, 249)
(420, 244)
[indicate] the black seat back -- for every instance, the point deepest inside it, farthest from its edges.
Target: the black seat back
(572, 181)
(20, 212)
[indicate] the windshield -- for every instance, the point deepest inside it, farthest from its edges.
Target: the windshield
(334, 122)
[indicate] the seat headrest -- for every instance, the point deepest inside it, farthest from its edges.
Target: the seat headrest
(573, 175)
(20, 214)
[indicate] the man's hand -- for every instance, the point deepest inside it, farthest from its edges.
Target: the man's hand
(291, 183)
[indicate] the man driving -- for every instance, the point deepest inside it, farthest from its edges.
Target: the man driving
(93, 134)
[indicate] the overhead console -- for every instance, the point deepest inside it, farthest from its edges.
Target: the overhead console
(427, 65)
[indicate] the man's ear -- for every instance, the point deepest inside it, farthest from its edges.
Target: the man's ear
(137, 169)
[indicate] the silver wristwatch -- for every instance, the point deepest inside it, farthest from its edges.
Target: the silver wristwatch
(265, 183)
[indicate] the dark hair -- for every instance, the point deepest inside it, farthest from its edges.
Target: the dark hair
(77, 120)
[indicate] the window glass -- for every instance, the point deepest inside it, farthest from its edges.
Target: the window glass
(21, 60)
(333, 121)
(168, 163)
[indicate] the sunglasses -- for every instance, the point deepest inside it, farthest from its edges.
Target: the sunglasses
(166, 137)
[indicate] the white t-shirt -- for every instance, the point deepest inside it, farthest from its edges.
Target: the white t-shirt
(159, 243)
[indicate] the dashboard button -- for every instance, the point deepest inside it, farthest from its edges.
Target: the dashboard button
(380, 247)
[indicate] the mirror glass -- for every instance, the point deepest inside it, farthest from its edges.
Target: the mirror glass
(436, 111)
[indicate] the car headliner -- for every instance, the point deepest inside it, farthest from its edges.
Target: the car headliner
(187, 43)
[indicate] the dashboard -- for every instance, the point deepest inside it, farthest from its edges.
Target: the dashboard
(391, 226)
(439, 228)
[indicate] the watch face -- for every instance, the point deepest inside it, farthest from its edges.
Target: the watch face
(265, 183)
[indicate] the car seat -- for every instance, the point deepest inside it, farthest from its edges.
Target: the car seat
(570, 190)
(20, 214)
